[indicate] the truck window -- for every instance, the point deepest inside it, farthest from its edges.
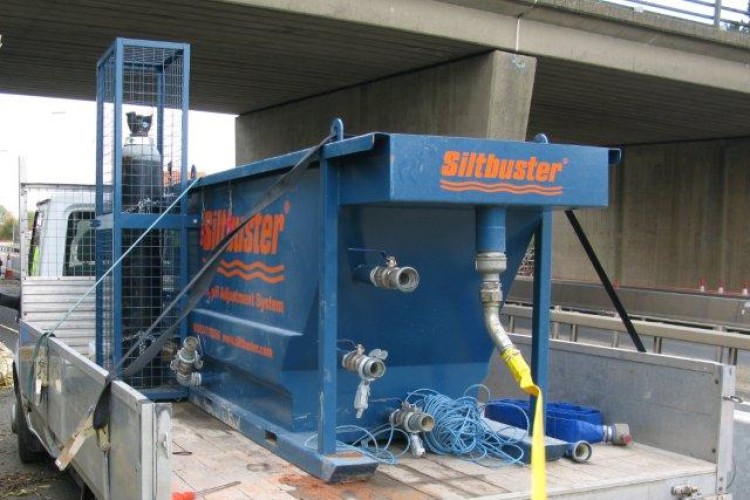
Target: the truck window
(79, 244)
(33, 257)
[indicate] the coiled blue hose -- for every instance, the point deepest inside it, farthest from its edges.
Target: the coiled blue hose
(460, 429)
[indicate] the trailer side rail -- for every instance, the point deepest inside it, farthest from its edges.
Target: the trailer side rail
(133, 461)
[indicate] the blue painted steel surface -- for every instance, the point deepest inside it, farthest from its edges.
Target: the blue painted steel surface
(345, 147)
(297, 447)
(329, 321)
(490, 233)
(542, 303)
(285, 291)
(427, 169)
(184, 275)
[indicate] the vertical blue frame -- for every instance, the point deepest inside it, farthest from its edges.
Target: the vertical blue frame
(184, 272)
(99, 207)
(540, 315)
(328, 307)
(117, 208)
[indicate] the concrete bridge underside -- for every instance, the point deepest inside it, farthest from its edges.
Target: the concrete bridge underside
(605, 74)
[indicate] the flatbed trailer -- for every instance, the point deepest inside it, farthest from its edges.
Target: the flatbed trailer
(681, 421)
(208, 453)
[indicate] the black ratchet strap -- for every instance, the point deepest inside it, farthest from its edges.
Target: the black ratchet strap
(605, 281)
(197, 286)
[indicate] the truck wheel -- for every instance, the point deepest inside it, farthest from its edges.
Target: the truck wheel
(29, 447)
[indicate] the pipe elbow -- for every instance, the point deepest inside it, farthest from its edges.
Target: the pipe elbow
(494, 327)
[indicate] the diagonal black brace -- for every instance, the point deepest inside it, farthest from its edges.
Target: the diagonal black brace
(605, 281)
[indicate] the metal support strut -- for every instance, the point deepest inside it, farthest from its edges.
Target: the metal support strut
(605, 280)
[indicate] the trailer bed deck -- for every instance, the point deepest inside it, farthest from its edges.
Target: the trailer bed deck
(208, 453)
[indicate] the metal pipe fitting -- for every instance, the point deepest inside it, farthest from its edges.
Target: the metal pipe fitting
(412, 419)
(579, 452)
(186, 363)
(389, 276)
(490, 266)
(404, 279)
(618, 434)
(416, 446)
(490, 263)
(368, 367)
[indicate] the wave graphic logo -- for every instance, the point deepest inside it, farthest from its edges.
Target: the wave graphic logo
(259, 239)
(471, 171)
(254, 271)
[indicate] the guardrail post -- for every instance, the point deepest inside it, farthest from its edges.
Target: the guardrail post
(732, 356)
(717, 13)
(719, 349)
(615, 338)
(573, 333)
(556, 325)
(658, 345)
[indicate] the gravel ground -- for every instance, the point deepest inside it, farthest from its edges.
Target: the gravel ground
(41, 481)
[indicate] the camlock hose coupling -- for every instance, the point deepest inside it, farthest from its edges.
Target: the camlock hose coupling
(187, 362)
(618, 434)
(403, 279)
(413, 420)
(579, 452)
(368, 367)
(390, 276)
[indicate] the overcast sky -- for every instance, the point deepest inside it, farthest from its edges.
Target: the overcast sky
(58, 139)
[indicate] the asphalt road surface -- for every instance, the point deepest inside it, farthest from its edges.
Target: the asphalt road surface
(41, 481)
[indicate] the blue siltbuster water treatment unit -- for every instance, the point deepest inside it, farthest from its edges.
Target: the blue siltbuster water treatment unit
(325, 285)
(381, 271)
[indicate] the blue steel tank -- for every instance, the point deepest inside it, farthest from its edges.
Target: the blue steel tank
(291, 326)
(259, 322)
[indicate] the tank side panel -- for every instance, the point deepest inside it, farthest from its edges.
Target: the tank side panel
(259, 321)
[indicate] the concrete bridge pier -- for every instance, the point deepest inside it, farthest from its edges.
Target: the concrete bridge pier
(482, 96)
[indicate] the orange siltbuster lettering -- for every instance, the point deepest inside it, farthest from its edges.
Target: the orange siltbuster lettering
(257, 240)
(490, 173)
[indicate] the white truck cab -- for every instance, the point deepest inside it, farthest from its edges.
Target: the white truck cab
(57, 260)
(61, 241)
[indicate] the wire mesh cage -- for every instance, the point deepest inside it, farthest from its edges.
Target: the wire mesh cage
(527, 264)
(142, 106)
